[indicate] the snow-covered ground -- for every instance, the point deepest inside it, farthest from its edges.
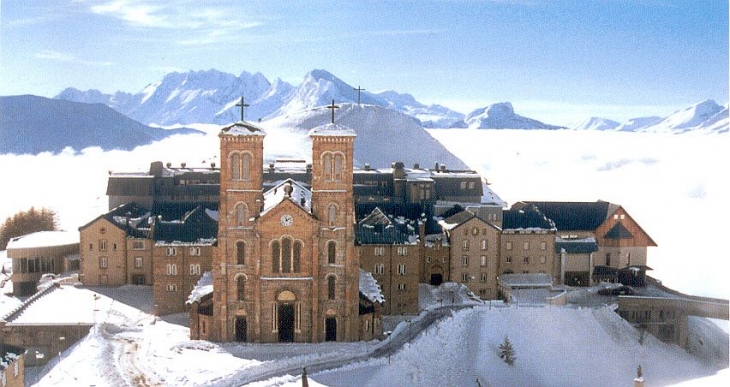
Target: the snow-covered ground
(555, 346)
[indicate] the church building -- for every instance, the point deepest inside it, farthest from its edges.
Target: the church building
(285, 267)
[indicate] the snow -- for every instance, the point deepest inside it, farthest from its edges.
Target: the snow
(44, 239)
(202, 288)
(369, 287)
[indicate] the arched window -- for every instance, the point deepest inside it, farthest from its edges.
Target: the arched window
(246, 167)
(297, 256)
(338, 167)
(327, 167)
(331, 251)
(236, 166)
(240, 253)
(241, 288)
(275, 256)
(240, 214)
(331, 287)
(286, 255)
(332, 215)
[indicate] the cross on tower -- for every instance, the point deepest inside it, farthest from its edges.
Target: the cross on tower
(358, 93)
(332, 108)
(242, 105)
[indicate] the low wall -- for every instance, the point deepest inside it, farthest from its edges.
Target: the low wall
(42, 341)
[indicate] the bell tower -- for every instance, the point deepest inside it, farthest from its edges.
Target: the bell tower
(332, 205)
(241, 200)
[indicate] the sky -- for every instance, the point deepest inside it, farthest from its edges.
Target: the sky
(553, 60)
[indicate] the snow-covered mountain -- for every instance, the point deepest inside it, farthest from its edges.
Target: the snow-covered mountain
(502, 116)
(211, 97)
(383, 136)
(596, 123)
(634, 124)
(31, 125)
(706, 116)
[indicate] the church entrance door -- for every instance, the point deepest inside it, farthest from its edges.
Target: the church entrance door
(330, 329)
(286, 323)
(241, 328)
(436, 279)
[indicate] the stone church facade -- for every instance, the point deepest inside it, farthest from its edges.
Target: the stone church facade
(285, 268)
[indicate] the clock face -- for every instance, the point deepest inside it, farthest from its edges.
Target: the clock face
(287, 220)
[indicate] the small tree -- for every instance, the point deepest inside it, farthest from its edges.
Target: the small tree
(506, 352)
(27, 222)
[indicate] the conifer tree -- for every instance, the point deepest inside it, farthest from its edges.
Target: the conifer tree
(506, 352)
(27, 222)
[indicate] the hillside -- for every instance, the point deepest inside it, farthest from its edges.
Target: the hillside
(502, 116)
(31, 125)
(383, 136)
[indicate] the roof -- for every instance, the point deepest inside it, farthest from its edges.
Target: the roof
(526, 218)
(604, 270)
(618, 232)
(526, 280)
(118, 216)
(380, 229)
(369, 287)
(576, 246)
(203, 288)
(462, 217)
(196, 226)
(43, 239)
(299, 195)
(586, 216)
(332, 130)
(242, 128)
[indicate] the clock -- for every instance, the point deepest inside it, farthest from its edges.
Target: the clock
(287, 220)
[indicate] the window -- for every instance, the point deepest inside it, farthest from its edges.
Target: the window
(240, 288)
(171, 252)
(483, 261)
(296, 256)
(484, 244)
(483, 277)
(103, 262)
(171, 269)
(138, 245)
(138, 262)
(338, 167)
(608, 259)
(103, 279)
(246, 167)
(465, 245)
(275, 257)
(114, 246)
(525, 245)
(91, 246)
(327, 166)
(464, 277)
(379, 251)
(465, 260)
(474, 231)
(526, 260)
(195, 251)
(240, 214)
(471, 185)
(332, 215)
(508, 259)
(379, 268)
(402, 251)
(195, 269)
(102, 244)
(236, 167)
(171, 287)
(402, 287)
(286, 255)
(462, 185)
(331, 251)
(331, 287)
(402, 268)
(240, 253)
(508, 245)
(428, 259)
(543, 245)
(543, 259)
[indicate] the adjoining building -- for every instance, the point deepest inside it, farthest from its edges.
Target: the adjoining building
(39, 253)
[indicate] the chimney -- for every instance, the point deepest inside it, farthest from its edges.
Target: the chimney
(443, 168)
(436, 166)
(183, 164)
(416, 166)
(367, 166)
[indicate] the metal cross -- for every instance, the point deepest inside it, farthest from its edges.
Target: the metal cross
(242, 105)
(358, 93)
(332, 108)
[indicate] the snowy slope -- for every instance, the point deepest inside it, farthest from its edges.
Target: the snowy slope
(634, 124)
(383, 136)
(596, 123)
(502, 116)
(706, 116)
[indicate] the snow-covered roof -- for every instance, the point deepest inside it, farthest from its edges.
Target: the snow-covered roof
(369, 287)
(242, 128)
(531, 280)
(332, 130)
(202, 288)
(44, 239)
(299, 195)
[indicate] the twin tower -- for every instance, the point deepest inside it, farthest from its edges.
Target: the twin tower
(285, 268)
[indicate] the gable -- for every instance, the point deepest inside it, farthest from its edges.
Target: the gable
(621, 229)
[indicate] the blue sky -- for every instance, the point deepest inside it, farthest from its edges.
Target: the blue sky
(554, 60)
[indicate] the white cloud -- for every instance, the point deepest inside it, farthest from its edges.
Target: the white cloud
(65, 57)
